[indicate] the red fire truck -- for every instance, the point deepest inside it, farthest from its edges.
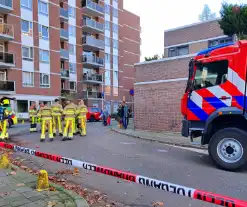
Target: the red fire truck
(214, 104)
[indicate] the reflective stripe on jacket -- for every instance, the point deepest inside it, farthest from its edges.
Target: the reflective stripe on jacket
(69, 111)
(57, 109)
(45, 112)
(81, 111)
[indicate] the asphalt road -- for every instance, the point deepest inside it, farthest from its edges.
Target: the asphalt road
(151, 159)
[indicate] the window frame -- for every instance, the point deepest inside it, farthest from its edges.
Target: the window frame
(30, 4)
(30, 28)
(41, 27)
(108, 10)
(115, 12)
(107, 41)
(41, 55)
(74, 49)
(30, 52)
(72, 89)
(74, 31)
(74, 12)
(230, 38)
(115, 44)
(107, 25)
(26, 84)
(39, 8)
(41, 77)
(72, 69)
(176, 50)
(115, 28)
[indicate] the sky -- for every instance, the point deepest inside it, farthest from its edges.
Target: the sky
(160, 15)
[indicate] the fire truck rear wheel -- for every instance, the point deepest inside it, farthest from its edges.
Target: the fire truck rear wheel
(228, 148)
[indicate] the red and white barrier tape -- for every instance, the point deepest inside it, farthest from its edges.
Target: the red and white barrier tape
(150, 182)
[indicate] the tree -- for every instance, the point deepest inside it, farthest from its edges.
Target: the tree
(234, 20)
(155, 57)
(206, 14)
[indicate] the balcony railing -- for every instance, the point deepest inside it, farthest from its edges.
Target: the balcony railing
(64, 13)
(91, 42)
(6, 5)
(6, 58)
(90, 59)
(93, 95)
(93, 25)
(6, 31)
(93, 8)
(64, 73)
(7, 86)
(64, 54)
(64, 34)
(93, 78)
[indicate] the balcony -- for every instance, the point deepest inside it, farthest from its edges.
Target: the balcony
(90, 61)
(93, 79)
(6, 6)
(89, 43)
(64, 74)
(64, 34)
(64, 14)
(7, 87)
(6, 60)
(92, 26)
(6, 32)
(92, 95)
(64, 54)
(92, 9)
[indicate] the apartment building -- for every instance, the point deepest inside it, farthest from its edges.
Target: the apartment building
(160, 84)
(52, 48)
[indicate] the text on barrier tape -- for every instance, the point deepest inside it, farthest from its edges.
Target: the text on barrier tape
(150, 182)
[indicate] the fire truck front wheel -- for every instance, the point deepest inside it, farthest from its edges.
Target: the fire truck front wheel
(228, 148)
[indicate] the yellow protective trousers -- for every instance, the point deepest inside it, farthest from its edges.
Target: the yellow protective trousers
(83, 125)
(69, 127)
(57, 124)
(46, 122)
(4, 132)
(33, 125)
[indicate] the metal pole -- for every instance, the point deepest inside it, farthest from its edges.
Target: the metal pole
(102, 91)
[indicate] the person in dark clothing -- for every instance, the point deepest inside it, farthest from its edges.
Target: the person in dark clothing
(119, 115)
(128, 117)
(124, 114)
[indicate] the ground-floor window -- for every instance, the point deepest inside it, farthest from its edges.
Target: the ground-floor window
(22, 106)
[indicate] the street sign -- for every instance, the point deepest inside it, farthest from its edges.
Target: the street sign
(131, 92)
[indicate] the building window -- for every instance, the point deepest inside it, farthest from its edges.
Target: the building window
(22, 106)
(115, 91)
(108, 90)
(72, 85)
(212, 43)
(115, 44)
(27, 79)
(44, 56)
(72, 12)
(107, 9)
(115, 28)
(115, 59)
(107, 58)
(115, 12)
(27, 4)
(72, 49)
(43, 32)
(107, 25)
(72, 30)
(107, 41)
(26, 28)
(43, 8)
(27, 53)
(210, 74)
(72, 68)
(178, 51)
(44, 80)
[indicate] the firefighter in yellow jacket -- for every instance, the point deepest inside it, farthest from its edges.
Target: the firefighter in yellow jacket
(6, 110)
(82, 119)
(75, 121)
(45, 113)
(33, 114)
(57, 111)
(69, 113)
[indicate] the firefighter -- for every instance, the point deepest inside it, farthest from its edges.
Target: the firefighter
(45, 114)
(69, 113)
(57, 111)
(75, 121)
(5, 113)
(33, 113)
(81, 116)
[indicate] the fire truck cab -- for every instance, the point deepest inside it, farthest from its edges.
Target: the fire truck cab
(214, 103)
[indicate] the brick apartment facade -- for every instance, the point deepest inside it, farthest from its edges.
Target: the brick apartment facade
(160, 84)
(51, 48)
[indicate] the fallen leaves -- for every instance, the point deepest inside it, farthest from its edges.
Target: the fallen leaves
(51, 203)
(20, 184)
(5, 193)
(158, 203)
(52, 188)
(12, 173)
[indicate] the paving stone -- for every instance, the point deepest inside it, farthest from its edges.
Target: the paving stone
(19, 202)
(4, 202)
(30, 194)
(23, 189)
(59, 204)
(6, 189)
(39, 203)
(13, 195)
(3, 185)
(70, 204)
(55, 197)
(81, 203)
(36, 198)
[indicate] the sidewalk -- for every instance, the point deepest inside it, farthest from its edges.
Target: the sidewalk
(19, 190)
(163, 137)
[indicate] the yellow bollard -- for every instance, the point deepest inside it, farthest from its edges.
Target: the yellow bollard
(4, 162)
(23, 121)
(42, 183)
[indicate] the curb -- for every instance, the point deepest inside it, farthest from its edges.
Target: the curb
(161, 141)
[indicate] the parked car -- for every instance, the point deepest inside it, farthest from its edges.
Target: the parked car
(12, 119)
(93, 114)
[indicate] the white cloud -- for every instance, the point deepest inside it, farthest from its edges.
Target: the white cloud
(159, 15)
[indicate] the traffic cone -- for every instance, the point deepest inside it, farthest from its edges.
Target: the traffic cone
(42, 182)
(4, 162)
